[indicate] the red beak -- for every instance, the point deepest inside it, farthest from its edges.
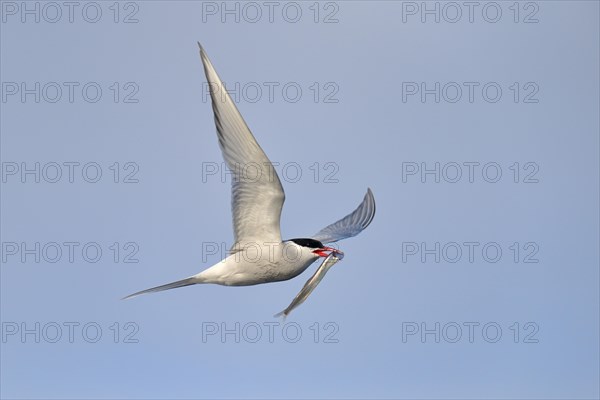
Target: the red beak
(321, 252)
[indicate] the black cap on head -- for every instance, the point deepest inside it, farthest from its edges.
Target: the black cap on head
(310, 243)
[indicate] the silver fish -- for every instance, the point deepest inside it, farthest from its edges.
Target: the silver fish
(312, 282)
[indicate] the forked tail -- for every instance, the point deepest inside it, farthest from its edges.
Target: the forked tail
(184, 282)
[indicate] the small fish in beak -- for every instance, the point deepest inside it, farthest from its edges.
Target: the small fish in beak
(313, 281)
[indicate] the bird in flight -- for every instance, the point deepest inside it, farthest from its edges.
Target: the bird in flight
(259, 255)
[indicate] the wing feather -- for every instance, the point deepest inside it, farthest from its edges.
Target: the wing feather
(256, 193)
(352, 224)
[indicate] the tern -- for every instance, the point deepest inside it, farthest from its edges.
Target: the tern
(259, 255)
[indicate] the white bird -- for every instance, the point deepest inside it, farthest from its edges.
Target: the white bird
(259, 255)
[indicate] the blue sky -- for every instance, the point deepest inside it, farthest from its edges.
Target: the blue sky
(478, 134)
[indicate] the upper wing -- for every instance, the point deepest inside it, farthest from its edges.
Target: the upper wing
(256, 193)
(352, 224)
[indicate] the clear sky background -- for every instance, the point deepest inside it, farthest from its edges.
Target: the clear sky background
(389, 321)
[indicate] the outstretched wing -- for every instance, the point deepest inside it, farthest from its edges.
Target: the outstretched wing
(352, 224)
(256, 193)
